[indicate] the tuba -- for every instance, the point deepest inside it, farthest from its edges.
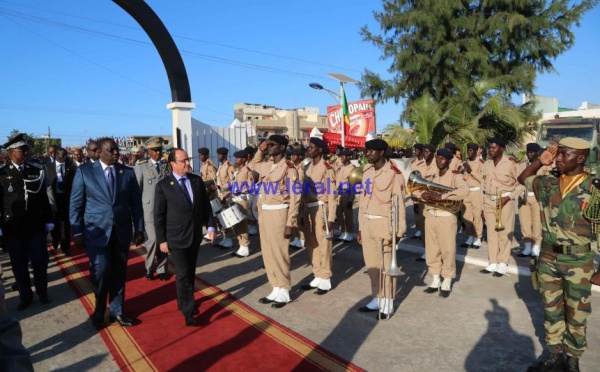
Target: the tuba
(416, 182)
(355, 175)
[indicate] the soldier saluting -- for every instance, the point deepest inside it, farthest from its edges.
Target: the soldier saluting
(566, 262)
(26, 219)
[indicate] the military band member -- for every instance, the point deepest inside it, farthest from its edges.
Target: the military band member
(500, 190)
(440, 224)
(208, 172)
(345, 214)
(473, 174)
(252, 223)
(334, 159)
(242, 180)
(318, 214)
(296, 159)
(455, 163)
(565, 266)
(529, 208)
(418, 208)
(381, 181)
(148, 173)
(224, 178)
(26, 219)
(277, 217)
(427, 169)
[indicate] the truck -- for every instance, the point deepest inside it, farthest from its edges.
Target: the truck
(587, 128)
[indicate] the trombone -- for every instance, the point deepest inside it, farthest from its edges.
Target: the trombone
(499, 226)
(393, 270)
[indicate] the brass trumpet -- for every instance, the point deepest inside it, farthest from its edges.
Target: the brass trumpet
(393, 271)
(499, 226)
(416, 182)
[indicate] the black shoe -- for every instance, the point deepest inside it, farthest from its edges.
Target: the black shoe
(97, 323)
(195, 312)
(265, 300)
(321, 291)
(190, 321)
(431, 289)
(44, 300)
(66, 251)
(465, 245)
(572, 364)
(420, 259)
(366, 309)
(498, 275)
(444, 294)
(307, 287)
(414, 237)
(485, 271)
(24, 305)
(551, 362)
(523, 255)
(473, 246)
(278, 305)
(14, 287)
(383, 316)
(150, 276)
(163, 277)
(122, 320)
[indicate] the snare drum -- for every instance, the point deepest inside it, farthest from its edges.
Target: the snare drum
(231, 216)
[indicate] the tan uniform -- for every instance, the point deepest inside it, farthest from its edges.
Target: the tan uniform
(297, 231)
(502, 179)
(455, 164)
(243, 178)
(278, 208)
(224, 177)
(440, 227)
(318, 197)
(208, 172)
(416, 165)
(529, 209)
(374, 222)
(427, 172)
(474, 201)
(345, 215)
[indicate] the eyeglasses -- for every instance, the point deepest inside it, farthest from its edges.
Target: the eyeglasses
(111, 150)
(93, 150)
(183, 160)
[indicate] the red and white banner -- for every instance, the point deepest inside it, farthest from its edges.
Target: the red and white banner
(362, 118)
(335, 139)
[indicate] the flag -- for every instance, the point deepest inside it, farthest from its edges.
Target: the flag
(345, 113)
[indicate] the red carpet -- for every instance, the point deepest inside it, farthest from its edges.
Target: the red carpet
(231, 335)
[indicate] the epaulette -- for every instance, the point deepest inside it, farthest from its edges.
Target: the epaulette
(327, 165)
(394, 168)
(38, 166)
(228, 163)
(142, 161)
(209, 162)
(290, 164)
(481, 161)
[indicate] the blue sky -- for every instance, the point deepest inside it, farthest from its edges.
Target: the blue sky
(84, 68)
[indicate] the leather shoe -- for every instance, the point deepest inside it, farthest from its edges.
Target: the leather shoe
(278, 305)
(163, 277)
(265, 300)
(444, 294)
(523, 255)
(383, 316)
(366, 309)
(431, 289)
(321, 291)
(485, 271)
(307, 287)
(44, 300)
(122, 320)
(497, 274)
(97, 322)
(150, 276)
(23, 305)
(190, 321)
(465, 245)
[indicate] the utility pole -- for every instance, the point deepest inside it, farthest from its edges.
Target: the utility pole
(48, 141)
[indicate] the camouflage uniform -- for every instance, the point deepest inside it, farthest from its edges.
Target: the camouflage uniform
(564, 278)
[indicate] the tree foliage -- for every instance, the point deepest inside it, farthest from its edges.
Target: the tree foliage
(433, 43)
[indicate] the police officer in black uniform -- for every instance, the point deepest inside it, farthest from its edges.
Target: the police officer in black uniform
(26, 219)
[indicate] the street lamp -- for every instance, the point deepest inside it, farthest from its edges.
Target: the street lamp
(342, 79)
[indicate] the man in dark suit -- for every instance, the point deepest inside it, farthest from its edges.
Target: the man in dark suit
(181, 208)
(93, 152)
(63, 171)
(105, 199)
(25, 219)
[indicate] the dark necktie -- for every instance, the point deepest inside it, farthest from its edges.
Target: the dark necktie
(20, 168)
(110, 181)
(185, 190)
(157, 166)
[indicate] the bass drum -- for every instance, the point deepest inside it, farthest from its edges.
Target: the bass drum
(231, 216)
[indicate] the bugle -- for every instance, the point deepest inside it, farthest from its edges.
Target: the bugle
(499, 226)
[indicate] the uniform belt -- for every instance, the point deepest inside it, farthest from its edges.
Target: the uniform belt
(566, 249)
(439, 213)
(530, 193)
(239, 198)
(474, 188)
(372, 216)
(493, 197)
(314, 204)
(274, 207)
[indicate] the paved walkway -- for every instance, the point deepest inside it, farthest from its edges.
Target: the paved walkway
(487, 324)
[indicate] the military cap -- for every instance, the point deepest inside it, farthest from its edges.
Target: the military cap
(574, 143)
(497, 141)
(346, 152)
(250, 150)
(418, 146)
(533, 147)
(318, 142)
(429, 147)
(450, 146)
(222, 151)
(240, 154)
(154, 143)
(376, 144)
(447, 153)
(17, 141)
(203, 151)
(297, 152)
(278, 138)
(472, 146)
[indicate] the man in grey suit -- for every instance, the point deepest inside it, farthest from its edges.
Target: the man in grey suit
(148, 173)
(105, 202)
